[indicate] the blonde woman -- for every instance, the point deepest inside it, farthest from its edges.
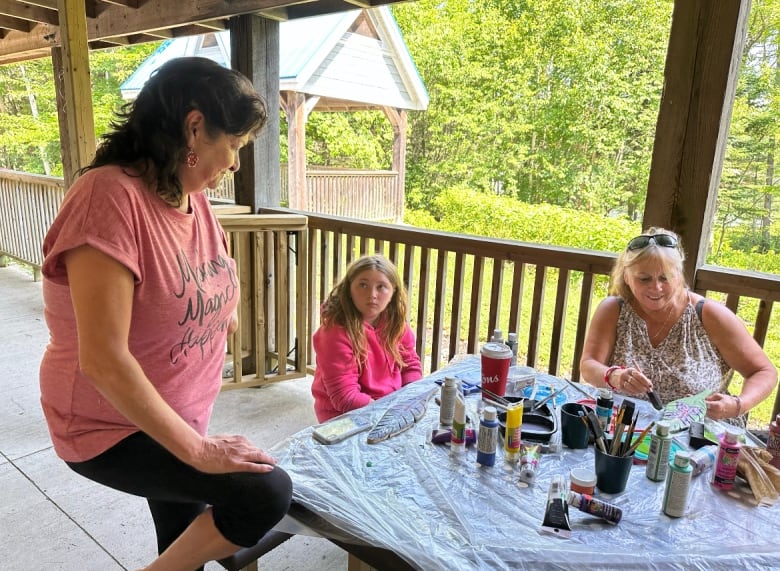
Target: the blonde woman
(364, 345)
(652, 333)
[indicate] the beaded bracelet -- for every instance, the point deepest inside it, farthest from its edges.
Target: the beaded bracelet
(739, 404)
(611, 370)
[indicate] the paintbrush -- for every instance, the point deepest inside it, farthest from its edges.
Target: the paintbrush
(578, 389)
(629, 435)
(595, 428)
(655, 401)
(625, 414)
(496, 397)
(618, 429)
(547, 398)
(499, 405)
(639, 439)
(651, 396)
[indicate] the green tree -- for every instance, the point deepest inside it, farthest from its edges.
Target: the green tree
(549, 101)
(29, 125)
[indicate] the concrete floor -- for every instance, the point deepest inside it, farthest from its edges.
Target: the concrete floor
(53, 519)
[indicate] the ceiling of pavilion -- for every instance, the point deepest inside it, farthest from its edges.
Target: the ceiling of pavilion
(30, 28)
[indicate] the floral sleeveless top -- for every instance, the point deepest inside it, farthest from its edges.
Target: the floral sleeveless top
(684, 364)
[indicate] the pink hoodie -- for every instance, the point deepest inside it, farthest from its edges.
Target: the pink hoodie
(338, 387)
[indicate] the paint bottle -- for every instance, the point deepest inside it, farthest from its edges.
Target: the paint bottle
(497, 337)
(703, 458)
(511, 342)
(449, 392)
(594, 506)
(728, 456)
(773, 441)
(458, 431)
(487, 439)
(658, 455)
(514, 425)
(678, 484)
(604, 404)
(582, 481)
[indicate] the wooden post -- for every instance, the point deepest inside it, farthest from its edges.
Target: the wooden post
(76, 113)
(399, 121)
(700, 79)
(254, 45)
(295, 108)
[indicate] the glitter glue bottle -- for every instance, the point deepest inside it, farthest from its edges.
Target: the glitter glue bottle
(488, 437)
(593, 506)
(604, 404)
(678, 484)
(458, 431)
(449, 391)
(773, 442)
(658, 455)
(728, 456)
(514, 427)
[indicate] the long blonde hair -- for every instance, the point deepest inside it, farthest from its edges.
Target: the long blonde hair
(670, 258)
(339, 309)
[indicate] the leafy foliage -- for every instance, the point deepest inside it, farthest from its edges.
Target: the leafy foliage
(29, 126)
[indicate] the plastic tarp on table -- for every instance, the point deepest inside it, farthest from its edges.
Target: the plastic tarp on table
(439, 511)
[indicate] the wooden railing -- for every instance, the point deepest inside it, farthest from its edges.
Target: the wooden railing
(462, 287)
(365, 194)
(271, 253)
(28, 205)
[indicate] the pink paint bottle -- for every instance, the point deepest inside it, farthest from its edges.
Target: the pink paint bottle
(728, 456)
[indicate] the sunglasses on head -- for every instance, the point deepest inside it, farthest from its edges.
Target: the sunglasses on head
(643, 241)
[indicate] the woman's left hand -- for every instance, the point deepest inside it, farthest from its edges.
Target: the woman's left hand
(221, 454)
(720, 406)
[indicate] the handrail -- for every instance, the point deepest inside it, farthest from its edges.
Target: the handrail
(471, 285)
(271, 253)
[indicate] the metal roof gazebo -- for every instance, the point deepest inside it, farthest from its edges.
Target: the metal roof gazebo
(343, 62)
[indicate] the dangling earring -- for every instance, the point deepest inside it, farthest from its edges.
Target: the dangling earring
(191, 158)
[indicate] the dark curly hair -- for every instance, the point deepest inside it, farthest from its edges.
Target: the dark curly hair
(148, 134)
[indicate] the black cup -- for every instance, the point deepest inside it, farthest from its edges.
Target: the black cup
(574, 430)
(612, 472)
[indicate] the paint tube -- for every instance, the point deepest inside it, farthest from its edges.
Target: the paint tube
(594, 506)
(529, 461)
(514, 425)
(556, 513)
(458, 438)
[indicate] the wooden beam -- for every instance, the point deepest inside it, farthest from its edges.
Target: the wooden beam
(700, 79)
(77, 89)
(15, 24)
(28, 12)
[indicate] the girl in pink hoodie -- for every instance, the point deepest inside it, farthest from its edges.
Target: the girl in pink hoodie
(364, 345)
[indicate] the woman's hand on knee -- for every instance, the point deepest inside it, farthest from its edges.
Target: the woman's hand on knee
(222, 454)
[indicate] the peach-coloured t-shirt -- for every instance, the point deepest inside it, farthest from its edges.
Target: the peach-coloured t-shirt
(185, 291)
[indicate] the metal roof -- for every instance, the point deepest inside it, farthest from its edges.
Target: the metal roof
(320, 56)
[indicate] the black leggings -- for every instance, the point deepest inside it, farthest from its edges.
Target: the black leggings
(245, 505)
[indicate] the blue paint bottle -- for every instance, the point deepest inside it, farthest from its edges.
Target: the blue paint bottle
(487, 440)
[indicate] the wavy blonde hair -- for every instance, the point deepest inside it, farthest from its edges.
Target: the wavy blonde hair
(671, 260)
(339, 309)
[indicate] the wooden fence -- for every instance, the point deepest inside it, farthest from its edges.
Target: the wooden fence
(462, 287)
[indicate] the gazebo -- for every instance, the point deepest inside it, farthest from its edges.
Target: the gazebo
(342, 62)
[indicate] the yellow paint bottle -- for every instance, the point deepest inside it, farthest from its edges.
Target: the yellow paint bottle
(514, 425)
